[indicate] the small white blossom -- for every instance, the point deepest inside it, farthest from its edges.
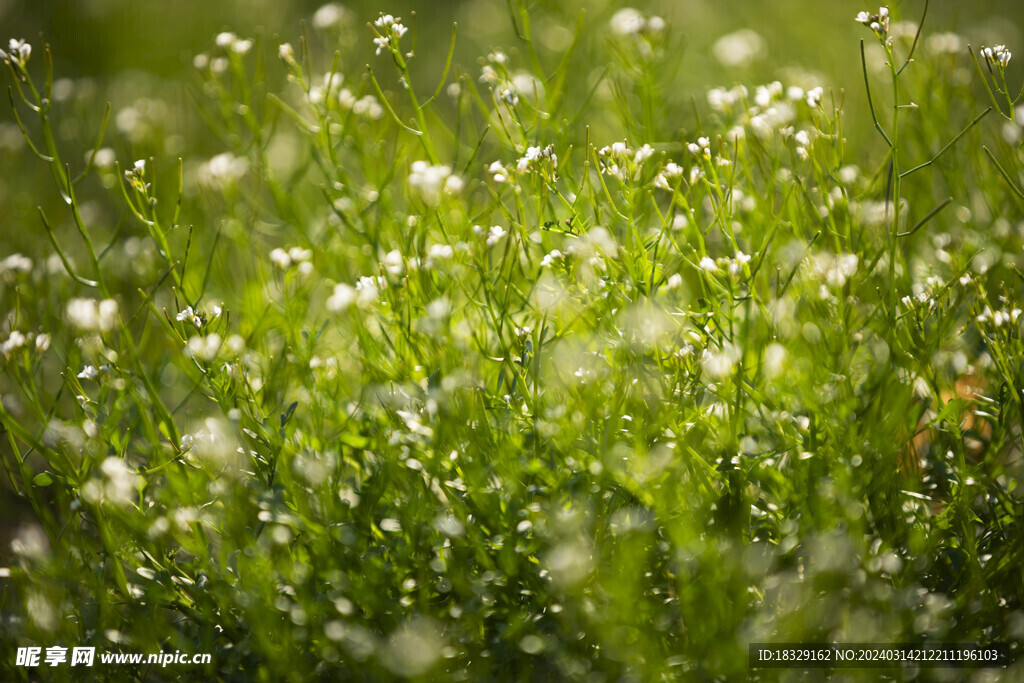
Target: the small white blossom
(813, 97)
(205, 348)
(643, 154)
(550, 258)
(16, 263)
(330, 15)
(341, 298)
(18, 52)
(429, 181)
(92, 316)
(494, 234)
(627, 21)
(14, 341)
(879, 23)
(280, 258)
(191, 316)
(997, 56)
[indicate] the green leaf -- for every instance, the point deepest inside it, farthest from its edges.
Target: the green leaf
(42, 479)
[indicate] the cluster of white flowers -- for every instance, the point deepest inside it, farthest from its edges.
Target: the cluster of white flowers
(551, 257)
(17, 340)
(814, 95)
(670, 172)
(702, 147)
(740, 48)
(721, 99)
(733, 265)
(534, 157)
(495, 70)
(298, 257)
(90, 315)
(14, 264)
(620, 160)
(330, 84)
(191, 316)
(229, 41)
(924, 293)
(331, 15)
(367, 106)
(142, 119)
(944, 43)
(999, 318)
(136, 176)
(364, 295)
(119, 484)
(223, 170)
(287, 53)
(18, 52)
(833, 269)
(204, 347)
(491, 235)
(879, 23)
(630, 22)
(719, 363)
(429, 181)
(803, 140)
(104, 158)
(997, 56)
(14, 341)
(390, 27)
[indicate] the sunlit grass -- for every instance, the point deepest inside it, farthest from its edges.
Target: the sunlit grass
(503, 375)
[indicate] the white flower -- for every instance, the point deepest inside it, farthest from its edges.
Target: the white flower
(88, 372)
(280, 258)
(367, 291)
(381, 42)
(550, 258)
(494, 234)
(738, 49)
(18, 51)
(191, 316)
(92, 316)
(226, 39)
(286, 52)
(813, 97)
(121, 483)
(719, 364)
(627, 21)
(428, 181)
(708, 264)
(440, 252)
(341, 298)
(997, 56)
(223, 169)
(879, 23)
(42, 343)
(643, 154)
(509, 96)
(498, 172)
(16, 263)
(205, 348)
(15, 341)
(330, 15)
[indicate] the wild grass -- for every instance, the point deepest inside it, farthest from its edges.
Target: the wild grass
(502, 374)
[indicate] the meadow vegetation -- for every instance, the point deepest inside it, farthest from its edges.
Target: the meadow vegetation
(513, 367)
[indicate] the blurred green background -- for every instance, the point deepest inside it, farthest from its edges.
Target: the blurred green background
(107, 37)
